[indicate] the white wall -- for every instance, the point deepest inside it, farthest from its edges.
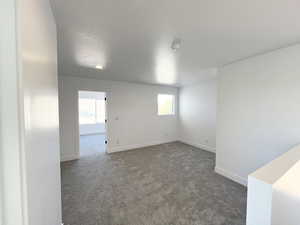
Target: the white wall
(258, 111)
(10, 160)
(38, 67)
(92, 94)
(30, 165)
(274, 191)
(286, 198)
(132, 114)
(198, 114)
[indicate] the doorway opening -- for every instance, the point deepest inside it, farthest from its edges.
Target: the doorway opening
(92, 123)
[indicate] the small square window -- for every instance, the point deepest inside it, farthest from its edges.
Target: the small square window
(166, 104)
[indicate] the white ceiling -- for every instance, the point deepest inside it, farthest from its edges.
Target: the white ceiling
(132, 38)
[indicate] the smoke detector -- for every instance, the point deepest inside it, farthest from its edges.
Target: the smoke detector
(176, 44)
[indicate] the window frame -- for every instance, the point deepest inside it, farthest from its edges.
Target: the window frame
(95, 113)
(173, 104)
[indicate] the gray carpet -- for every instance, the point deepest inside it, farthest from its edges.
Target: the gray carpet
(169, 184)
(92, 144)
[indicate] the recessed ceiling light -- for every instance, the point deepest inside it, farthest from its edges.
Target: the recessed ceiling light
(99, 67)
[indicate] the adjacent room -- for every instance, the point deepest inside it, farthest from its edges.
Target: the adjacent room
(154, 112)
(92, 122)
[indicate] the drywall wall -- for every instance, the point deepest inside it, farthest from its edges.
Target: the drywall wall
(286, 193)
(30, 165)
(92, 94)
(38, 68)
(198, 114)
(12, 191)
(274, 190)
(258, 111)
(131, 112)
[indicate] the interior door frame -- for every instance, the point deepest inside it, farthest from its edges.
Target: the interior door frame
(77, 129)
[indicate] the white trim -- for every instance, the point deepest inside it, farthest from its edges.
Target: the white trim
(135, 146)
(174, 105)
(200, 146)
(232, 176)
(13, 182)
(77, 125)
(66, 158)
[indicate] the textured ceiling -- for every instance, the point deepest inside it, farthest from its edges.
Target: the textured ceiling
(132, 38)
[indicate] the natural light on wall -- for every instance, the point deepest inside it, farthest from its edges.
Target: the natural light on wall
(166, 104)
(165, 68)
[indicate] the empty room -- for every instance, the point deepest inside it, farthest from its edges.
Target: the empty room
(149, 112)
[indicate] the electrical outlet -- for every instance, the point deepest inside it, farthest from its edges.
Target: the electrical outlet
(117, 141)
(206, 141)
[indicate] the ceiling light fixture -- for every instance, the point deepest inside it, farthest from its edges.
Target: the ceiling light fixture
(176, 44)
(99, 67)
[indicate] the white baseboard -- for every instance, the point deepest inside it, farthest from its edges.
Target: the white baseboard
(119, 149)
(135, 146)
(231, 176)
(65, 158)
(200, 145)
